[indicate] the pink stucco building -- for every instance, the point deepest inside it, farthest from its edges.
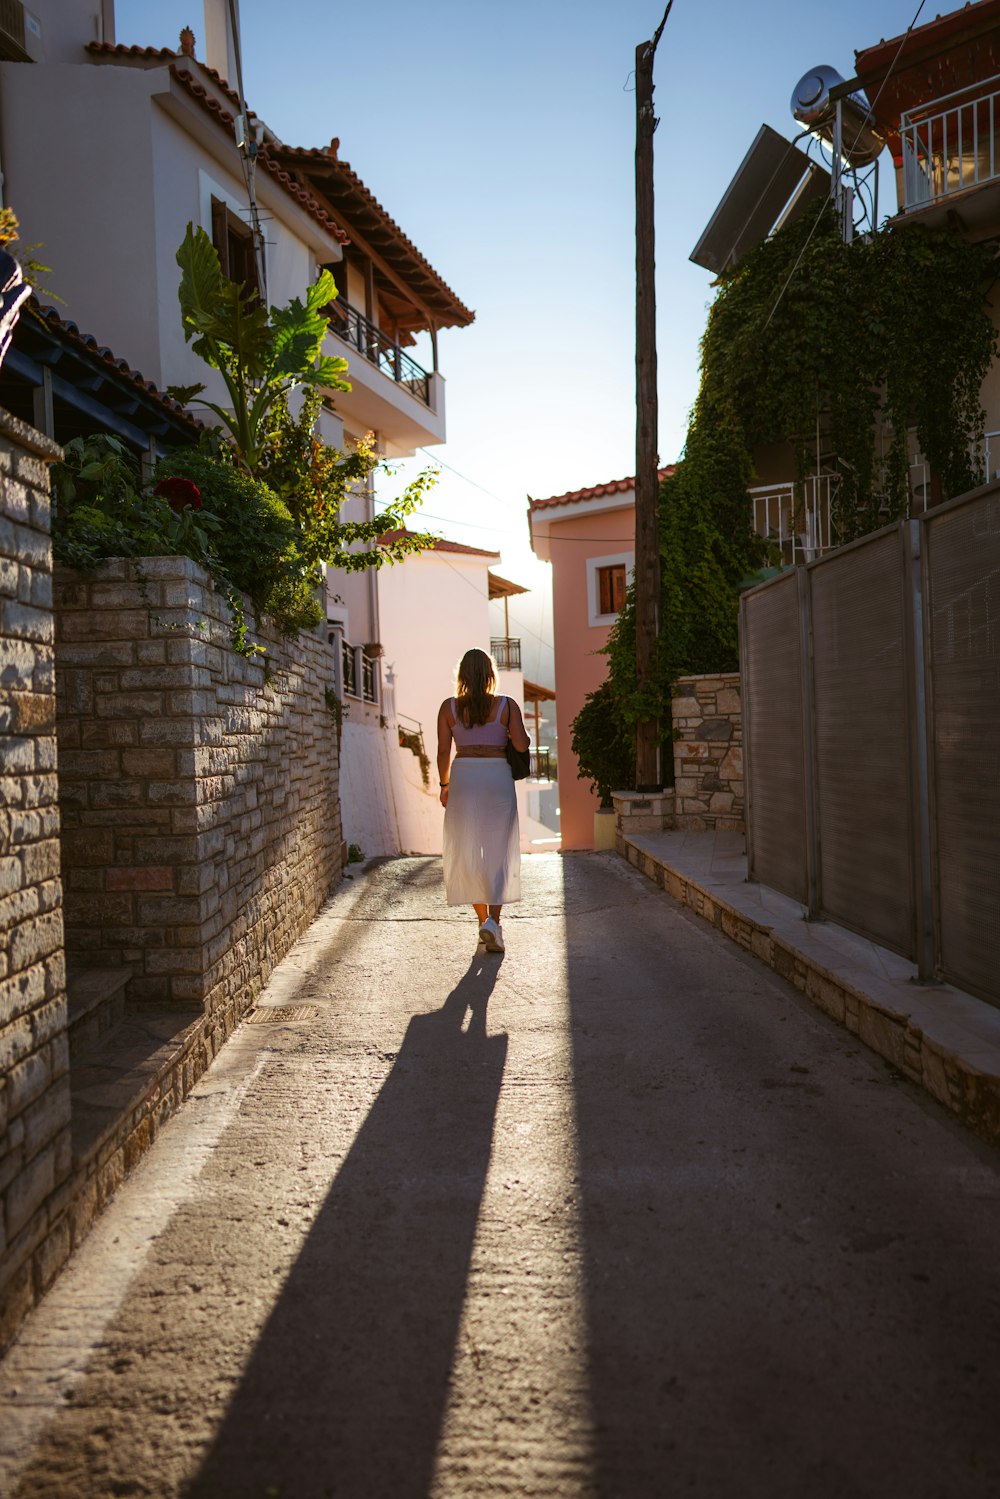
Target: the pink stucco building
(588, 535)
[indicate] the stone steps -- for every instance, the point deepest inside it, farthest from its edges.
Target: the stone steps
(96, 1004)
(120, 1052)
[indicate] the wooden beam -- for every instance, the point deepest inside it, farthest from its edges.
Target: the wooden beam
(365, 245)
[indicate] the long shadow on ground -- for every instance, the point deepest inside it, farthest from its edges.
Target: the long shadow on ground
(345, 1392)
(789, 1257)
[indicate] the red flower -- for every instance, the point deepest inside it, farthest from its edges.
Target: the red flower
(179, 494)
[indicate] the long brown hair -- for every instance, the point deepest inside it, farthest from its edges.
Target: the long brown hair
(477, 677)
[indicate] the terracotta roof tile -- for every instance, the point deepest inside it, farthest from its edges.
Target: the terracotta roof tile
(325, 162)
(180, 68)
(87, 341)
(598, 491)
(118, 49)
(291, 187)
(162, 54)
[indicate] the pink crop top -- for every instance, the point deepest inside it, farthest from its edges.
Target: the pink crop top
(492, 735)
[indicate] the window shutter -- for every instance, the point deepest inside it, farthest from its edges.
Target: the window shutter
(220, 233)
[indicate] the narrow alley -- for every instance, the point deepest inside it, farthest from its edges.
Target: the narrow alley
(617, 1216)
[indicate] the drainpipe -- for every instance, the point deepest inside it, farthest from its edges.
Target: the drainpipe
(373, 609)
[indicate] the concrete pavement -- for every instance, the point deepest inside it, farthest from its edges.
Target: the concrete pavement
(619, 1216)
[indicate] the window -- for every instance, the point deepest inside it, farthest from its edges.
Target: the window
(607, 579)
(611, 589)
(234, 241)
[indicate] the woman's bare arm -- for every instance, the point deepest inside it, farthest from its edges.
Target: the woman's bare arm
(515, 728)
(444, 748)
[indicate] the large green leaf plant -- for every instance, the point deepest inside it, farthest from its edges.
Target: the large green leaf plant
(263, 356)
(258, 501)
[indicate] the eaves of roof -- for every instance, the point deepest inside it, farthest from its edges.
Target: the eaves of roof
(91, 376)
(503, 588)
(100, 352)
(951, 52)
(356, 207)
(597, 492)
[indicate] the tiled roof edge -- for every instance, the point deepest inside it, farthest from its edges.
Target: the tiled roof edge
(314, 153)
(597, 491)
(88, 342)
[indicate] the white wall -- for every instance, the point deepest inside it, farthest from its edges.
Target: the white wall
(66, 26)
(367, 799)
(78, 172)
(101, 170)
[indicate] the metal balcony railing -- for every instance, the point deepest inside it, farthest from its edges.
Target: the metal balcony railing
(506, 653)
(542, 765)
(799, 518)
(358, 673)
(951, 143)
(796, 517)
(378, 348)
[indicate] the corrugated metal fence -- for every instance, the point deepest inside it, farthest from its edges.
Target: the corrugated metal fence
(871, 700)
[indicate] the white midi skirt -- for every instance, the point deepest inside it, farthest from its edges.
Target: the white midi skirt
(482, 846)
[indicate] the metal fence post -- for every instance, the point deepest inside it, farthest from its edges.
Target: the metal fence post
(744, 626)
(915, 668)
(807, 681)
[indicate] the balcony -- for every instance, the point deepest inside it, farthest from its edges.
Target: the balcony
(543, 766)
(377, 347)
(950, 144)
(796, 518)
(391, 394)
(506, 653)
(358, 672)
(800, 519)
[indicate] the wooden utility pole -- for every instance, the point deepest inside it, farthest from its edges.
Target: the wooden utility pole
(647, 498)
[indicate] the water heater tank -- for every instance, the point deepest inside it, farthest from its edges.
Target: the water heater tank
(812, 107)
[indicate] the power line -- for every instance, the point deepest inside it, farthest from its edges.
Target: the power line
(465, 478)
(548, 644)
(446, 520)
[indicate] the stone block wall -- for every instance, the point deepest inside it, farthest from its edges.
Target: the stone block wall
(35, 1145)
(201, 826)
(708, 753)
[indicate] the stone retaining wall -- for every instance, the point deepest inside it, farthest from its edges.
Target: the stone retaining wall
(708, 765)
(34, 1082)
(708, 754)
(198, 788)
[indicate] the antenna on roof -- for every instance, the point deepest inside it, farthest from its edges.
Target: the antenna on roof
(249, 133)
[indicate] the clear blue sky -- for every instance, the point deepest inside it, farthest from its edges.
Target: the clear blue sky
(500, 137)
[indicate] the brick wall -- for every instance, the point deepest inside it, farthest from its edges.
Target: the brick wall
(201, 825)
(34, 1083)
(708, 754)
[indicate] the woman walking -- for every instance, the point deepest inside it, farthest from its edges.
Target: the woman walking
(482, 849)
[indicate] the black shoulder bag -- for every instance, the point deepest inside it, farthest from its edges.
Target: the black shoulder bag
(518, 760)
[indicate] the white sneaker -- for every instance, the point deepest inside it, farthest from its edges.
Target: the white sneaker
(491, 935)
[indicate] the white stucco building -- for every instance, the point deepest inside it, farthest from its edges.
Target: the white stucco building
(107, 153)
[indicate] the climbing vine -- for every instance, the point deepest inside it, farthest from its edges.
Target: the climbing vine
(862, 341)
(811, 343)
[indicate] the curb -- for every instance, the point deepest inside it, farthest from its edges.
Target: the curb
(939, 1051)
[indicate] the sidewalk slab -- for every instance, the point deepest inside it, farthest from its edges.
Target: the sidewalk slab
(938, 1036)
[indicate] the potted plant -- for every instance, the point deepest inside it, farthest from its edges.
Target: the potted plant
(605, 755)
